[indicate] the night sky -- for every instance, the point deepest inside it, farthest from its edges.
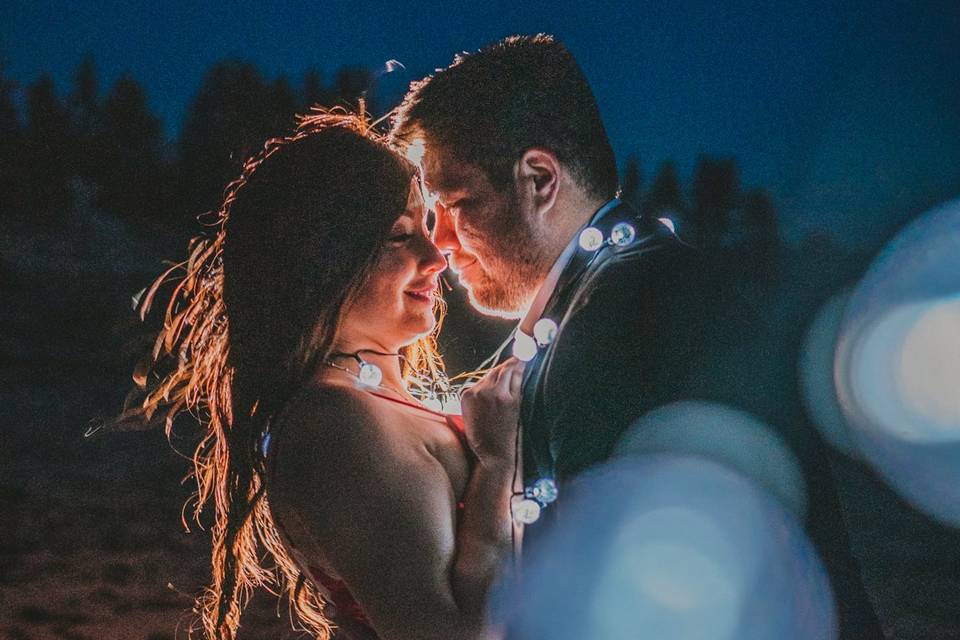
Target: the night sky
(847, 113)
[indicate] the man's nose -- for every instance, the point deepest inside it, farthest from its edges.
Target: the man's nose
(444, 231)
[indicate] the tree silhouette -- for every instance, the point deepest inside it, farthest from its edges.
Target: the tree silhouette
(234, 112)
(762, 234)
(129, 177)
(13, 174)
(9, 122)
(314, 91)
(46, 147)
(85, 120)
(352, 84)
(284, 105)
(665, 197)
(632, 181)
(84, 100)
(715, 193)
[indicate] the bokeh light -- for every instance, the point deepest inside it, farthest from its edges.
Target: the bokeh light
(670, 546)
(897, 366)
(725, 435)
(524, 346)
(816, 375)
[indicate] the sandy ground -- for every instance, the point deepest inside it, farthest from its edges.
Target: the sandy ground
(92, 544)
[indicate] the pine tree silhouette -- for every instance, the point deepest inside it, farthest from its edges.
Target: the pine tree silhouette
(762, 235)
(234, 112)
(47, 148)
(665, 198)
(130, 141)
(715, 193)
(632, 182)
(13, 177)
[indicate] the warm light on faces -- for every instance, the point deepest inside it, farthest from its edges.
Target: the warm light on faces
(396, 305)
(485, 232)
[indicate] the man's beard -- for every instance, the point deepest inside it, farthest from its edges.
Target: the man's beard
(518, 264)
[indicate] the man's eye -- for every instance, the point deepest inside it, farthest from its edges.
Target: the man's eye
(401, 237)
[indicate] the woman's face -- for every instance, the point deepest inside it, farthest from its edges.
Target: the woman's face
(395, 307)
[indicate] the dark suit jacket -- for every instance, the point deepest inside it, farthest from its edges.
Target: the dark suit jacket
(636, 324)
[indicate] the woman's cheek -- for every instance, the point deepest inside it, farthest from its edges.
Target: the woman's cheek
(387, 277)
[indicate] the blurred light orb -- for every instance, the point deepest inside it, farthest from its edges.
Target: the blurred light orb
(623, 234)
(433, 403)
(668, 223)
(524, 347)
(897, 366)
(591, 239)
(670, 546)
(817, 389)
(415, 151)
(392, 65)
(370, 375)
(544, 491)
(525, 510)
(544, 331)
(725, 435)
(450, 404)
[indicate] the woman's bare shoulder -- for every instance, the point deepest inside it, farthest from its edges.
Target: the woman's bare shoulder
(331, 413)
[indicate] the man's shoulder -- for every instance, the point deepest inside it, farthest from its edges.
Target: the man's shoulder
(660, 274)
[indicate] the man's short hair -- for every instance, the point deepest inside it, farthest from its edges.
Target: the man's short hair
(489, 107)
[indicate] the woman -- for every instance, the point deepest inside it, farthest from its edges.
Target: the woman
(298, 331)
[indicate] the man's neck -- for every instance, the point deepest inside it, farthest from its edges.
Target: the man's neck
(582, 216)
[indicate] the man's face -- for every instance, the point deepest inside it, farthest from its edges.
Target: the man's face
(486, 233)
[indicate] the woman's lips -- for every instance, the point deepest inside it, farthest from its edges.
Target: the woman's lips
(421, 295)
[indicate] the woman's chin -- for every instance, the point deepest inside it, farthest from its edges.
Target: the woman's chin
(419, 329)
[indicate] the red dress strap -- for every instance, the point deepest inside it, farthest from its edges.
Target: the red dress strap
(453, 421)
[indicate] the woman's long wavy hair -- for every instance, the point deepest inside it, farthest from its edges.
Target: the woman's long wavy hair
(257, 310)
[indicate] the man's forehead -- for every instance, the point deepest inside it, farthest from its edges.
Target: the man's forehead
(443, 172)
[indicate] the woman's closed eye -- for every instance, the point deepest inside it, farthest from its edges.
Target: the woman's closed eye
(400, 237)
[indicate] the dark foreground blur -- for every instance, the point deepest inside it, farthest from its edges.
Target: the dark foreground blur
(92, 544)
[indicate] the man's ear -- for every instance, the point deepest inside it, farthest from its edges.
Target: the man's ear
(538, 174)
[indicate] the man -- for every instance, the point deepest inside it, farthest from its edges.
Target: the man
(615, 312)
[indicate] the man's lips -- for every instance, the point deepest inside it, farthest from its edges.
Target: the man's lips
(458, 269)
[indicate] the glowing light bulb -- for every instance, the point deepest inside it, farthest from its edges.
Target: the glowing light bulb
(544, 490)
(668, 223)
(370, 375)
(524, 347)
(591, 239)
(415, 151)
(545, 331)
(525, 510)
(451, 404)
(623, 234)
(433, 403)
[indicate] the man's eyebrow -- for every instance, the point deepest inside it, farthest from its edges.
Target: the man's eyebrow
(446, 183)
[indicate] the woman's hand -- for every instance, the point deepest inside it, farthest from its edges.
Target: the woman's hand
(491, 412)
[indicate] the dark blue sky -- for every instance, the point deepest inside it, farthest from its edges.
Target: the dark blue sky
(849, 113)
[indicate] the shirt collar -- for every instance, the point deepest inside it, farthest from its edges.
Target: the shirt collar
(550, 282)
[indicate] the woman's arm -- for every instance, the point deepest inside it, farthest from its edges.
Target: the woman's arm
(485, 542)
(383, 511)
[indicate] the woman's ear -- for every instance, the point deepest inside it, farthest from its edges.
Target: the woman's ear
(538, 174)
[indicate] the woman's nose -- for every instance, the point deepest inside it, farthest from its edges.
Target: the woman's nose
(432, 259)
